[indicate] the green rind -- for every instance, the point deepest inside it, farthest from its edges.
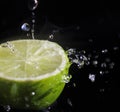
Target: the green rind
(34, 95)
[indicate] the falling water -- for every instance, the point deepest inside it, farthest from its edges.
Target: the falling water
(32, 5)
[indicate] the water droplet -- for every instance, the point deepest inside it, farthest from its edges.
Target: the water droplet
(27, 105)
(32, 32)
(66, 78)
(77, 57)
(32, 4)
(87, 63)
(106, 72)
(96, 56)
(25, 27)
(74, 84)
(111, 65)
(90, 40)
(7, 108)
(101, 72)
(69, 102)
(33, 20)
(107, 60)
(89, 56)
(104, 51)
(92, 77)
(102, 90)
(80, 64)
(33, 93)
(26, 99)
(71, 51)
(51, 36)
(115, 48)
(103, 65)
(55, 31)
(95, 62)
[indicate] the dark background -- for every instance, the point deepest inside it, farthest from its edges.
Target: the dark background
(92, 16)
(99, 28)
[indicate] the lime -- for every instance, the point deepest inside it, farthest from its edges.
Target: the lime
(32, 73)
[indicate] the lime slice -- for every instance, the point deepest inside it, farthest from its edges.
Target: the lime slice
(32, 73)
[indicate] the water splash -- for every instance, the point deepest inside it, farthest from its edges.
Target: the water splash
(92, 77)
(32, 4)
(66, 78)
(33, 26)
(7, 108)
(77, 57)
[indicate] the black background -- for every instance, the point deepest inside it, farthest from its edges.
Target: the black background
(97, 20)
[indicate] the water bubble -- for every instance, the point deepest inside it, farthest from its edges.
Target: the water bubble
(25, 27)
(7, 108)
(92, 77)
(32, 4)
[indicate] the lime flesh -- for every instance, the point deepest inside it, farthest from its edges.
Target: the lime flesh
(31, 73)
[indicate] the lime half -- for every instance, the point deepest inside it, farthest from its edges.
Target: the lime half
(32, 73)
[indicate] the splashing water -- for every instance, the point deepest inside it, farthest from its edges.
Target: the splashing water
(7, 108)
(92, 77)
(77, 57)
(66, 78)
(32, 4)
